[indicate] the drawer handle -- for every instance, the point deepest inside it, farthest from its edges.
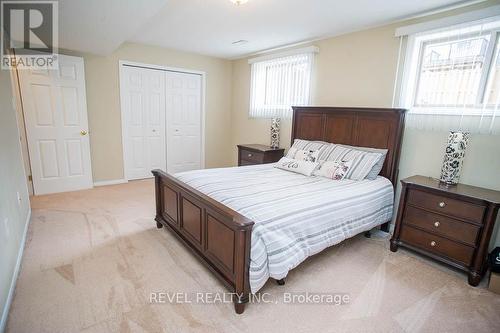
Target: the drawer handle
(249, 155)
(442, 204)
(433, 243)
(437, 224)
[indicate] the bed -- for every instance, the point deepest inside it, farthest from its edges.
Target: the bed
(251, 223)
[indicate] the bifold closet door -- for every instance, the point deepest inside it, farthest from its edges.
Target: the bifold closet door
(184, 121)
(55, 113)
(143, 109)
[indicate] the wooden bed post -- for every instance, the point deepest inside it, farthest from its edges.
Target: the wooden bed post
(242, 283)
(158, 201)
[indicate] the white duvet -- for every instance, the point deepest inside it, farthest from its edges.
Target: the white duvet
(295, 216)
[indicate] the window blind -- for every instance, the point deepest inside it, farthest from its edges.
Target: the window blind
(280, 83)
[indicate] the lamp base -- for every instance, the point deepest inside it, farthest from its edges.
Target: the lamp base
(446, 184)
(275, 133)
(454, 157)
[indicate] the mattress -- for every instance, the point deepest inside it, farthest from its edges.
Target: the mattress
(295, 216)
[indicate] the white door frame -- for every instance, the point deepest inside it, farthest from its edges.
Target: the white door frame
(125, 148)
(21, 125)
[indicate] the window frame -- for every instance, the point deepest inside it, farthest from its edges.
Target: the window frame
(412, 74)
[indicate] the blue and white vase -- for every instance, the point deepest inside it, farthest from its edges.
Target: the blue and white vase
(454, 157)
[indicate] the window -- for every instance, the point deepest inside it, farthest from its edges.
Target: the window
(454, 72)
(278, 84)
(451, 71)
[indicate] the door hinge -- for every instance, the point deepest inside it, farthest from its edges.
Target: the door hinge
(30, 178)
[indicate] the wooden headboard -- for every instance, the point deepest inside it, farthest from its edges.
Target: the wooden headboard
(363, 127)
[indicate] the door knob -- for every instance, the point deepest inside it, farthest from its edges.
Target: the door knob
(83, 132)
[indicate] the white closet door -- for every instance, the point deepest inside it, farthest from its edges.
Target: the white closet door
(55, 109)
(143, 109)
(184, 121)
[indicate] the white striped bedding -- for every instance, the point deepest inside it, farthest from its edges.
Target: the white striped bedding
(295, 216)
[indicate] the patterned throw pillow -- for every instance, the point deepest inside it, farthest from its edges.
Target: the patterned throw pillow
(306, 155)
(299, 144)
(334, 170)
(362, 161)
(303, 167)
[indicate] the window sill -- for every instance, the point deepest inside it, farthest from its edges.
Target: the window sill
(475, 112)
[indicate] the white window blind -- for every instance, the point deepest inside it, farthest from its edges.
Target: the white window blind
(278, 84)
(451, 78)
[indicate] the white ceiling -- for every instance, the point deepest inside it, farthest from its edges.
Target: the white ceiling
(210, 26)
(100, 26)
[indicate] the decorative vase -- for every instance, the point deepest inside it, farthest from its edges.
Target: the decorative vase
(454, 157)
(275, 132)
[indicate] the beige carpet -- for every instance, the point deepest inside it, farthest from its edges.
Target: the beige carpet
(93, 258)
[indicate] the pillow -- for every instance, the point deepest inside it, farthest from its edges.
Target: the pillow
(303, 167)
(334, 170)
(374, 172)
(299, 144)
(306, 155)
(362, 161)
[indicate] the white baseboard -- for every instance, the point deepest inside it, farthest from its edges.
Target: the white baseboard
(110, 182)
(17, 269)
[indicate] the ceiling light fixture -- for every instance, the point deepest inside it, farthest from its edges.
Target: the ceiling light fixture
(238, 2)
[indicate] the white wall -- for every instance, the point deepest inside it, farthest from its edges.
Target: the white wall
(13, 213)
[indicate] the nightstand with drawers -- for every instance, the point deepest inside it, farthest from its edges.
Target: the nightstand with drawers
(452, 224)
(251, 154)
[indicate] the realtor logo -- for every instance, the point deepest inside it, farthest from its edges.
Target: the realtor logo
(29, 34)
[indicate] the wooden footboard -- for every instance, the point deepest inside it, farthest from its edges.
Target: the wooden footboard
(218, 235)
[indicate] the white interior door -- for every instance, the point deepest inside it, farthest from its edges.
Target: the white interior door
(55, 109)
(143, 110)
(184, 121)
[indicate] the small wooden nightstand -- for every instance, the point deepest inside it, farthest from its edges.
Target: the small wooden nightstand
(452, 224)
(258, 154)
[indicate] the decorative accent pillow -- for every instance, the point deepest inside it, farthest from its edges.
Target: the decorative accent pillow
(303, 167)
(307, 155)
(362, 161)
(334, 170)
(299, 144)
